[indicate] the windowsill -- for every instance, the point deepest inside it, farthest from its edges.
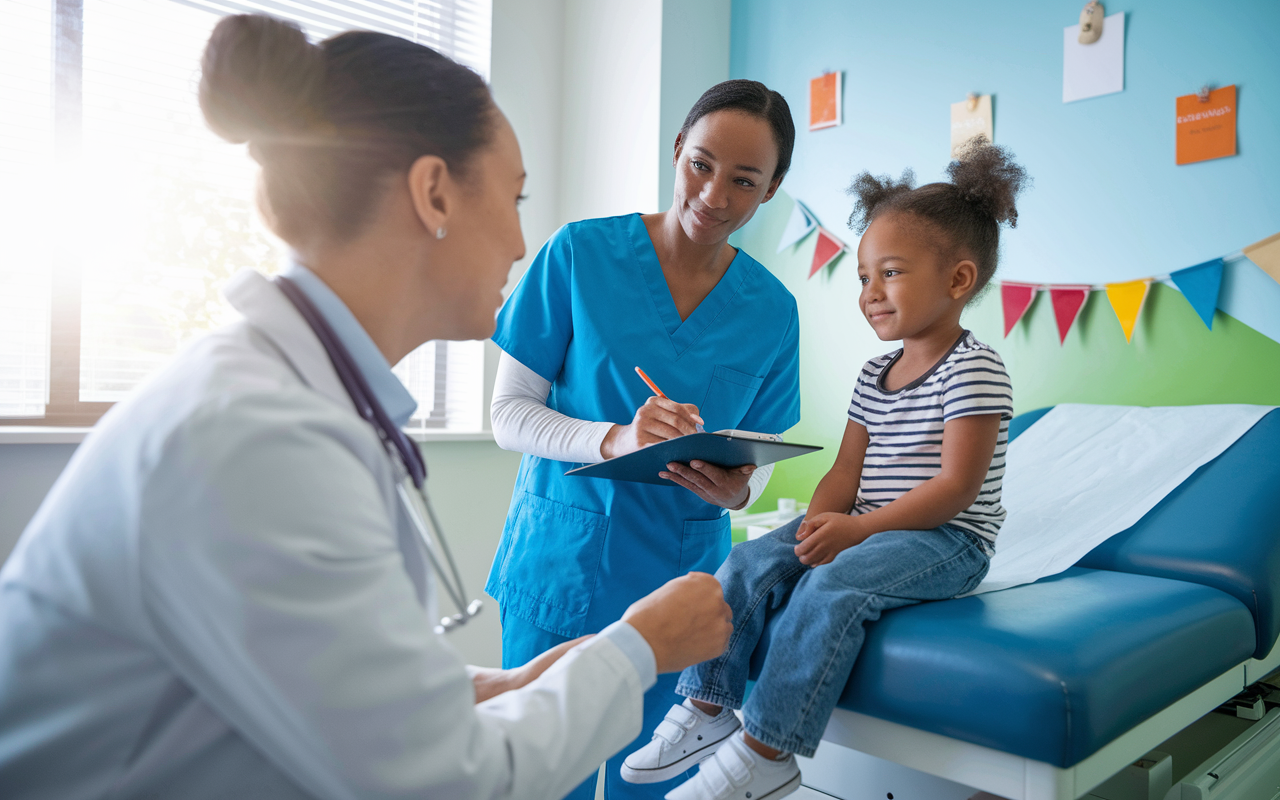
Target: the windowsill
(451, 436)
(22, 434)
(32, 434)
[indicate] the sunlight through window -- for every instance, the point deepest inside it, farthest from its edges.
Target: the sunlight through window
(26, 208)
(152, 212)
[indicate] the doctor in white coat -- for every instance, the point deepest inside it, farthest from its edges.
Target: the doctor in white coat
(221, 596)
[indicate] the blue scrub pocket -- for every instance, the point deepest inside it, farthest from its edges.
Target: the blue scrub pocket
(705, 545)
(542, 533)
(728, 398)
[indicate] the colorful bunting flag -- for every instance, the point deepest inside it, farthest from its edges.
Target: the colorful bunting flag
(1067, 303)
(1266, 254)
(1016, 299)
(1126, 300)
(799, 225)
(828, 250)
(1200, 285)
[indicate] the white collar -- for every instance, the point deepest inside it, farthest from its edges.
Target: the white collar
(266, 308)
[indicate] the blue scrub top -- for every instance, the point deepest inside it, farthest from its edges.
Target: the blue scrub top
(594, 305)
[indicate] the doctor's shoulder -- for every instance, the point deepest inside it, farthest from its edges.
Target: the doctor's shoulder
(229, 392)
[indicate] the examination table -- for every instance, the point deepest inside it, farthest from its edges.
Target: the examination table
(1044, 691)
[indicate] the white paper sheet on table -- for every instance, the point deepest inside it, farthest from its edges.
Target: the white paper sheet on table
(1083, 473)
(1089, 70)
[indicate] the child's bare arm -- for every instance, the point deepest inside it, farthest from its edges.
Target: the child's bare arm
(968, 444)
(839, 487)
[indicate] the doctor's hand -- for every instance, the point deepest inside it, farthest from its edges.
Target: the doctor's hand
(658, 420)
(686, 621)
(722, 487)
(823, 536)
(491, 682)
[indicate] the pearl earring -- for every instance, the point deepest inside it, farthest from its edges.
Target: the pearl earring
(440, 233)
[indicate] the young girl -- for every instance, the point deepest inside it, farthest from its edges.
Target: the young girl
(908, 513)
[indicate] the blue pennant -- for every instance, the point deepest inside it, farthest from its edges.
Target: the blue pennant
(1200, 285)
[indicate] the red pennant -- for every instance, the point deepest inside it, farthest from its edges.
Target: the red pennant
(828, 249)
(1067, 302)
(1016, 298)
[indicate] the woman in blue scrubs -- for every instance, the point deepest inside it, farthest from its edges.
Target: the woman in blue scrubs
(712, 328)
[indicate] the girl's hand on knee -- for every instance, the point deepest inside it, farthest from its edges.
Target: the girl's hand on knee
(823, 536)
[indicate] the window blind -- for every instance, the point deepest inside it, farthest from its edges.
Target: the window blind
(168, 210)
(451, 398)
(459, 29)
(26, 170)
(165, 212)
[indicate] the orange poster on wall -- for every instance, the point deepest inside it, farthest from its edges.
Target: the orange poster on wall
(824, 101)
(1207, 129)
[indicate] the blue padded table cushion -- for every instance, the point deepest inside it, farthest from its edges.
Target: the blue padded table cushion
(1052, 670)
(1220, 528)
(1025, 420)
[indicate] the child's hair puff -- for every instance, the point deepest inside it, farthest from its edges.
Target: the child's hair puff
(968, 210)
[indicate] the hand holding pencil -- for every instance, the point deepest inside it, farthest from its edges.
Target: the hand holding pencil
(659, 419)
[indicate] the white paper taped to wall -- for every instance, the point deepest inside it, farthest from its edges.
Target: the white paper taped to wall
(1089, 70)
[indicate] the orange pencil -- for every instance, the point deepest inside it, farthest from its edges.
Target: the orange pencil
(658, 391)
(652, 385)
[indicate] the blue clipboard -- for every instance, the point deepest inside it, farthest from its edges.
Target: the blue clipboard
(721, 449)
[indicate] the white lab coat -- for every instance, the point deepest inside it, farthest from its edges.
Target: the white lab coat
(220, 598)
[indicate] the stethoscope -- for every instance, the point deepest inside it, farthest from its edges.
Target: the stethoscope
(412, 485)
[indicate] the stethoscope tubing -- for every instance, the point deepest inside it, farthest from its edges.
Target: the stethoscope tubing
(465, 610)
(404, 456)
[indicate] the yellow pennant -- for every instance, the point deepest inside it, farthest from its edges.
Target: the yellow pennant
(1126, 300)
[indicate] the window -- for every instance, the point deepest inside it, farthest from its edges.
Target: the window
(123, 214)
(26, 151)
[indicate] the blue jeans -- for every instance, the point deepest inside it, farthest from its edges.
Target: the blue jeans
(815, 619)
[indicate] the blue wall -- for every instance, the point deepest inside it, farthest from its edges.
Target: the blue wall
(1108, 202)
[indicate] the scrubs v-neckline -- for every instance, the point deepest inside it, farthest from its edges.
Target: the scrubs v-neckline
(682, 334)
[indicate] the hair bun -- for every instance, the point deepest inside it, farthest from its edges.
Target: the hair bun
(872, 191)
(986, 176)
(260, 77)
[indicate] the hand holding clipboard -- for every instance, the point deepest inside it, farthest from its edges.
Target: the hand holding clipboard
(715, 466)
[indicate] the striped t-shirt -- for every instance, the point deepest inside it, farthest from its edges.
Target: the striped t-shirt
(904, 427)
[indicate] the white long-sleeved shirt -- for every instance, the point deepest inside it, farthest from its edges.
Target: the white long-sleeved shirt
(222, 597)
(523, 423)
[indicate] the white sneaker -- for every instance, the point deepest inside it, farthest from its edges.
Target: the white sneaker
(685, 737)
(737, 772)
